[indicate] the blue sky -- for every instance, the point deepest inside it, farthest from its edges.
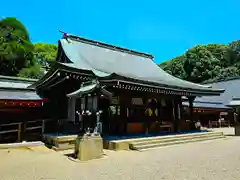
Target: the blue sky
(163, 28)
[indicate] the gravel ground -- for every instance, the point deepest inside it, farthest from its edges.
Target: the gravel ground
(209, 160)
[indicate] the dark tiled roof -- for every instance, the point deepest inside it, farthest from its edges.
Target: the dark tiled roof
(207, 105)
(105, 60)
(18, 95)
(234, 102)
(84, 89)
(7, 82)
(231, 91)
(15, 88)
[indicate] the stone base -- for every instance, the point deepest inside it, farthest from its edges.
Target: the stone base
(237, 130)
(60, 142)
(116, 145)
(89, 147)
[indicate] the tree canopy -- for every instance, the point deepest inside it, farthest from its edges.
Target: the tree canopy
(16, 50)
(45, 53)
(206, 63)
(18, 56)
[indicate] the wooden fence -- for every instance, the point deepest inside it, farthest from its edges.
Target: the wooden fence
(20, 131)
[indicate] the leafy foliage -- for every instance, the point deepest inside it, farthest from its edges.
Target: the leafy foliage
(17, 26)
(45, 53)
(18, 56)
(34, 72)
(206, 63)
(16, 51)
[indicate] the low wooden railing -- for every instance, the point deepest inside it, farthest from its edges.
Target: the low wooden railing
(22, 127)
(11, 128)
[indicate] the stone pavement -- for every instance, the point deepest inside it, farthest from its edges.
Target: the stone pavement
(209, 160)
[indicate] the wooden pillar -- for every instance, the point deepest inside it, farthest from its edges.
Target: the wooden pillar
(235, 117)
(19, 137)
(123, 115)
(71, 109)
(176, 113)
(180, 114)
(95, 103)
(190, 100)
(22, 131)
(43, 126)
(159, 109)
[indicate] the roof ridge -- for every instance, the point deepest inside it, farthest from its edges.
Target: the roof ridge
(109, 46)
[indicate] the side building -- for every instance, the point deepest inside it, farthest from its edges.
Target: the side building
(20, 108)
(219, 110)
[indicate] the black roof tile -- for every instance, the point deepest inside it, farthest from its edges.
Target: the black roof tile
(231, 88)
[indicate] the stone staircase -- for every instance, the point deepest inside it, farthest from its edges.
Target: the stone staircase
(154, 142)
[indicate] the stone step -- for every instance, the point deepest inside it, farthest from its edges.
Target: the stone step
(142, 148)
(178, 143)
(168, 143)
(168, 136)
(175, 138)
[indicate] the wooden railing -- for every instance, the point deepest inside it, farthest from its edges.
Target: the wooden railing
(19, 129)
(11, 128)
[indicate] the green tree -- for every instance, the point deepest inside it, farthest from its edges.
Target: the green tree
(206, 63)
(35, 71)
(222, 52)
(16, 50)
(175, 67)
(18, 56)
(200, 64)
(45, 53)
(235, 51)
